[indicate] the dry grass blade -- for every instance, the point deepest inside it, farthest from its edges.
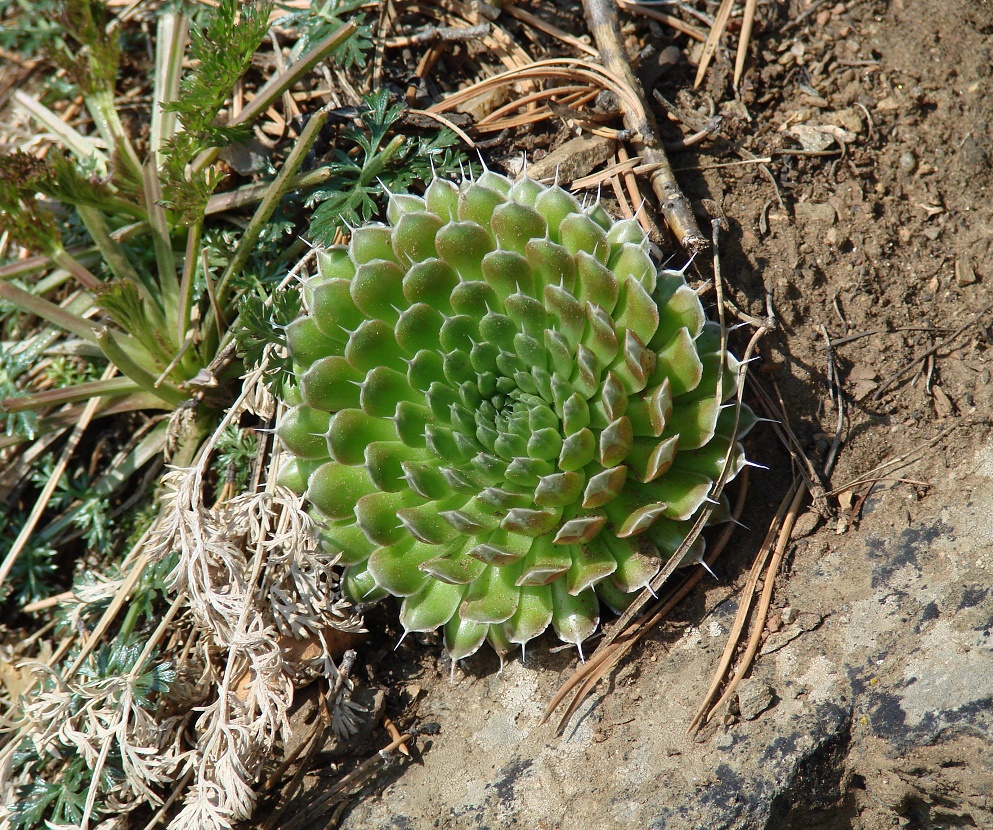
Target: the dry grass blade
(786, 435)
(928, 352)
(559, 101)
(307, 749)
(609, 172)
(677, 557)
(555, 69)
(713, 39)
(897, 463)
(631, 184)
(588, 675)
(549, 29)
(498, 41)
(762, 612)
(446, 123)
(621, 197)
(562, 109)
(744, 608)
(747, 21)
(177, 791)
(670, 20)
(116, 604)
(628, 629)
(838, 399)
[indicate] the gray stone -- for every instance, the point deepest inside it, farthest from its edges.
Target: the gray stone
(883, 681)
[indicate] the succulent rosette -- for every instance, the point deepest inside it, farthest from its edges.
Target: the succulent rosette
(507, 413)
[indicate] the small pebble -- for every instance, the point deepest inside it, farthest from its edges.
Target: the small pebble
(908, 162)
(754, 697)
(964, 272)
(806, 524)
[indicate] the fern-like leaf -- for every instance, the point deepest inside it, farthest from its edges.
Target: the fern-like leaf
(261, 326)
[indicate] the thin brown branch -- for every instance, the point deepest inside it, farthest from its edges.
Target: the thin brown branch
(904, 460)
(713, 39)
(794, 447)
(747, 22)
(439, 34)
(744, 607)
(585, 678)
(601, 17)
(670, 20)
(348, 783)
(549, 29)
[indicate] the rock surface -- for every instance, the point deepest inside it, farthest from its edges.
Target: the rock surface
(881, 714)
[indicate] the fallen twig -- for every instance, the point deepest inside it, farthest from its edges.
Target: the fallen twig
(889, 466)
(601, 16)
(716, 32)
(841, 341)
(663, 575)
(670, 20)
(711, 127)
(747, 21)
(440, 34)
(549, 29)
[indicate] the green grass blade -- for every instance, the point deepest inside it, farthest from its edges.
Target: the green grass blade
(120, 357)
(26, 301)
(113, 254)
(165, 260)
(170, 43)
(280, 185)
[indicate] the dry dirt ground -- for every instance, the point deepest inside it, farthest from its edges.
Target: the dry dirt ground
(872, 225)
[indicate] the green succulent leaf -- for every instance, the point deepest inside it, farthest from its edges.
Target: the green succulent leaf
(509, 413)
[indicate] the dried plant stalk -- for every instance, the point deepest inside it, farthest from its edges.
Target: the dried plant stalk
(601, 16)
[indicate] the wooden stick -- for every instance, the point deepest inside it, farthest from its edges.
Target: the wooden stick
(601, 17)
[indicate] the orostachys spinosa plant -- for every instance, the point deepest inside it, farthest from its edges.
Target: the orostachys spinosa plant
(506, 413)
